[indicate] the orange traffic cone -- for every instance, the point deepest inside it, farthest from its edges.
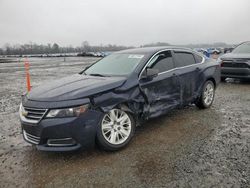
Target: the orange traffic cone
(27, 67)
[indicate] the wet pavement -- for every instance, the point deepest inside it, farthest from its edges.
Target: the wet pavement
(185, 148)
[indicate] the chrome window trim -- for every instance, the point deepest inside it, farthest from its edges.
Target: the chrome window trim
(176, 68)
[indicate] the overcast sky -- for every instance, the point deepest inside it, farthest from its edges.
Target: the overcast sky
(124, 22)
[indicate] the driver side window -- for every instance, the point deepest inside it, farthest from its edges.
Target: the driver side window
(162, 61)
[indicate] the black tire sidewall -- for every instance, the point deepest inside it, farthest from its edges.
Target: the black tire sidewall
(104, 144)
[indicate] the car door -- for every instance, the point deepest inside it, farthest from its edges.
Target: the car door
(162, 91)
(188, 71)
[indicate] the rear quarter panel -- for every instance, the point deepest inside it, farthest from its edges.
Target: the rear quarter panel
(210, 70)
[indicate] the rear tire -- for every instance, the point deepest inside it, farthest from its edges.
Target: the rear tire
(116, 129)
(207, 96)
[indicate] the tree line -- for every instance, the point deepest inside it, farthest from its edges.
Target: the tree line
(34, 48)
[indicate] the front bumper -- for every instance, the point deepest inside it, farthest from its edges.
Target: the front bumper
(63, 134)
(230, 72)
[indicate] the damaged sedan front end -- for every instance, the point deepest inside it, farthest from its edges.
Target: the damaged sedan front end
(105, 102)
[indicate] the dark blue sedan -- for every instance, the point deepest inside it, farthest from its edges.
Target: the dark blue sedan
(105, 102)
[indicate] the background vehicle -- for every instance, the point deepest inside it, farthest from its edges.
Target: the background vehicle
(105, 102)
(203, 51)
(228, 50)
(237, 63)
(214, 51)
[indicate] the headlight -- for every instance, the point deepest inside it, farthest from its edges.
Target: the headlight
(68, 112)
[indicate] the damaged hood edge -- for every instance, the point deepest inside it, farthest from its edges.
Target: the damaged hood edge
(74, 87)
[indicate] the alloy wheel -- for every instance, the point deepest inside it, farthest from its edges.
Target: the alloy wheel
(208, 95)
(116, 126)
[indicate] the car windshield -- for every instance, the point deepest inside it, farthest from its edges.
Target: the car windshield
(243, 48)
(115, 64)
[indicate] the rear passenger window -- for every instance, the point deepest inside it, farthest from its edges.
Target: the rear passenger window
(184, 59)
(198, 58)
(163, 62)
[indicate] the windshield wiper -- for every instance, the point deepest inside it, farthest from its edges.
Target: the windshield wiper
(101, 75)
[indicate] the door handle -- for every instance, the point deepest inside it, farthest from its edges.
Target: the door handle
(197, 68)
(174, 74)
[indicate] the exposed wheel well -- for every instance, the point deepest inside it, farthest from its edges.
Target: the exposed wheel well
(125, 107)
(213, 80)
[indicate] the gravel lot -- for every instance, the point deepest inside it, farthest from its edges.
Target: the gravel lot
(185, 148)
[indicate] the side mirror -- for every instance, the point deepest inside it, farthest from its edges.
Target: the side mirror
(150, 73)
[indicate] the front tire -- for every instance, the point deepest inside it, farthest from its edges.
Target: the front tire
(207, 96)
(116, 129)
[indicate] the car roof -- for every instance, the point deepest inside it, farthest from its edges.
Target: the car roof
(150, 50)
(246, 42)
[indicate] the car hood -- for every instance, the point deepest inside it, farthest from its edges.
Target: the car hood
(74, 87)
(236, 55)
